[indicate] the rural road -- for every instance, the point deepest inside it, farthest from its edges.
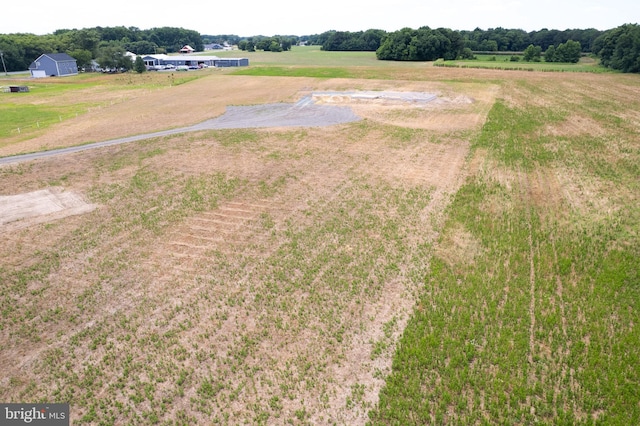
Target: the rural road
(303, 113)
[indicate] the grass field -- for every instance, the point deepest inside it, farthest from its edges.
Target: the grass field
(471, 261)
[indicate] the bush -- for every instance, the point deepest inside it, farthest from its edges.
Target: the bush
(467, 54)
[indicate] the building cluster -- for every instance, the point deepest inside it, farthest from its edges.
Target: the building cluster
(61, 64)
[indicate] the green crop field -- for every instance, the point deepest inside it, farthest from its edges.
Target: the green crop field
(474, 260)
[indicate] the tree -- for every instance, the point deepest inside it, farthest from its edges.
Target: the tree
(13, 54)
(142, 47)
(286, 43)
(263, 43)
(569, 52)
(489, 46)
(550, 54)
(112, 56)
(532, 53)
(173, 39)
(423, 44)
(83, 57)
(139, 65)
(564, 52)
(395, 46)
(467, 54)
(274, 46)
(619, 48)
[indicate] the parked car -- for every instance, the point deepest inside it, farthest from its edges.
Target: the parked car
(182, 68)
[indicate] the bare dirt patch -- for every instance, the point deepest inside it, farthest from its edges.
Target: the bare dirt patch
(22, 210)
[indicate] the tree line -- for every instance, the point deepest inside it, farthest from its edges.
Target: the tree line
(618, 48)
(568, 52)
(268, 44)
(491, 40)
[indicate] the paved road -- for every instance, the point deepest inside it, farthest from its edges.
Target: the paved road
(302, 114)
(60, 151)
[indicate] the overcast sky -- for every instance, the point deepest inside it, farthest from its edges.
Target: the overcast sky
(304, 17)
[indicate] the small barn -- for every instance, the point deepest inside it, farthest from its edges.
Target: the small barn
(187, 49)
(53, 65)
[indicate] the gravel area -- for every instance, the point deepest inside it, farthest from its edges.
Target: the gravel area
(404, 97)
(304, 113)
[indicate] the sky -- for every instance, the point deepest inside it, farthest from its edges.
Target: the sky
(288, 17)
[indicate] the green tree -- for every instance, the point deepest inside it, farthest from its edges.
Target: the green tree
(569, 52)
(83, 57)
(139, 66)
(142, 47)
(550, 54)
(274, 46)
(489, 46)
(532, 53)
(423, 44)
(13, 54)
(286, 43)
(87, 39)
(467, 54)
(564, 52)
(619, 48)
(112, 56)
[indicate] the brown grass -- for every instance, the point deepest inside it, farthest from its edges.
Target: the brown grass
(181, 296)
(200, 301)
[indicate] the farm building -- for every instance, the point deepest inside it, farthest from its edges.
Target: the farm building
(187, 49)
(232, 62)
(53, 64)
(193, 61)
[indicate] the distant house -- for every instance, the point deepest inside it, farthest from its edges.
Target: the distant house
(214, 46)
(187, 49)
(53, 64)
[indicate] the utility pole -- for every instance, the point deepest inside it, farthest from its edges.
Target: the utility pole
(3, 65)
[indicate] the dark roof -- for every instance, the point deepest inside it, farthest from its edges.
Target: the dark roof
(59, 57)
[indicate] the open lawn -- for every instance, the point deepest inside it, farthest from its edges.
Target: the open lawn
(470, 260)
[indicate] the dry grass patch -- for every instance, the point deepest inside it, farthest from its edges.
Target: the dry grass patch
(458, 247)
(232, 275)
